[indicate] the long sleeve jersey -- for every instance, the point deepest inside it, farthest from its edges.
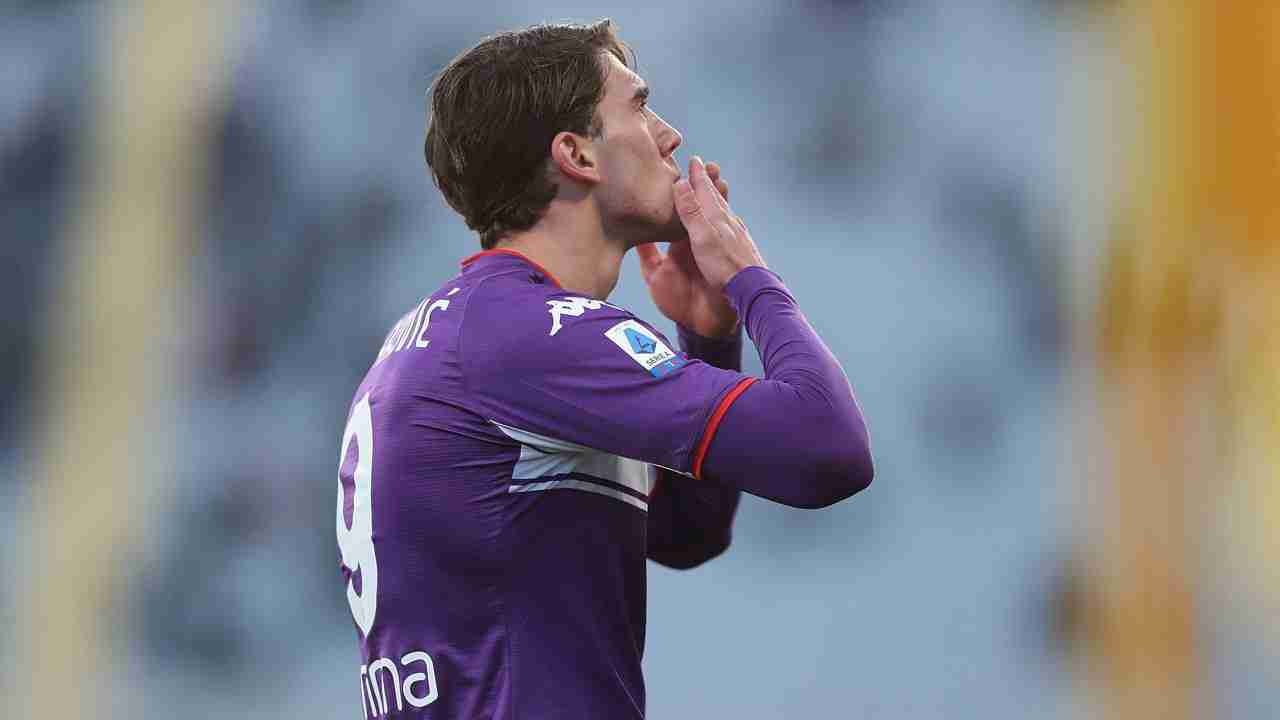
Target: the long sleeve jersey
(496, 474)
(690, 523)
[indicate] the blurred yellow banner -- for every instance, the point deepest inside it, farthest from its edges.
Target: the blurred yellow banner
(1189, 344)
(105, 347)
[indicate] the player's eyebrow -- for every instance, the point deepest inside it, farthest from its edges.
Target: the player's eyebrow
(642, 94)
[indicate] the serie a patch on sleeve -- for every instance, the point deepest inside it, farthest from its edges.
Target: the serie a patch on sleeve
(644, 347)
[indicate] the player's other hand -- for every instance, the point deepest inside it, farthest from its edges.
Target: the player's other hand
(719, 240)
(679, 288)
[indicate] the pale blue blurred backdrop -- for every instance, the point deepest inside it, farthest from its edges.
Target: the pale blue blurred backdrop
(899, 164)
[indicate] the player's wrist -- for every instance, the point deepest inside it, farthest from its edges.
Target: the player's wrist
(748, 283)
(724, 333)
(748, 275)
(722, 352)
(714, 317)
(733, 264)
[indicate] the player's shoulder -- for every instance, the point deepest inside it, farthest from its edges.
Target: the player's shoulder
(551, 332)
(523, 312)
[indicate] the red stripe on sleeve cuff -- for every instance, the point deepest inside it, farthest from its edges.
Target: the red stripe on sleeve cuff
(714, 424)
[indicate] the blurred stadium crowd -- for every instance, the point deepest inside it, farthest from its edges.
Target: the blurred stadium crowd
(898, 166)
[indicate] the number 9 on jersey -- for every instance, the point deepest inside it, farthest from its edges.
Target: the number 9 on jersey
(355, 516)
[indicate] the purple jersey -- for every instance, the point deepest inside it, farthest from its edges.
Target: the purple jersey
(495, 482)
(496, 475)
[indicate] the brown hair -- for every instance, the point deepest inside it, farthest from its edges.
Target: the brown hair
(495, 110)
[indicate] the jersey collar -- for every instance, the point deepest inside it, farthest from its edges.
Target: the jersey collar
(507, 251)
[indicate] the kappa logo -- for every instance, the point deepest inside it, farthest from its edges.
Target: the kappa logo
(574, 307)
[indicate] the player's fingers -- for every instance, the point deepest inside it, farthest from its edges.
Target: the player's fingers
(650, 258)
(713, 172)
(707, 194)
(687, 205)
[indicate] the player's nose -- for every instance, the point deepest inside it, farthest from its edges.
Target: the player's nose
(668, 138)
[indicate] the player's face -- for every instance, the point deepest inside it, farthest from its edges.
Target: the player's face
(637, 168)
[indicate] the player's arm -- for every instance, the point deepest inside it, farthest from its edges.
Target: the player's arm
(691, 523)
(797, 436)
(598, 377)
(604, 380)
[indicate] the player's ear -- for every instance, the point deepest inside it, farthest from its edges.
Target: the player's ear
(574, 155)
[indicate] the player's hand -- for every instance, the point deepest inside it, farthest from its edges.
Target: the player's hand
(678, 287)
(720, 243)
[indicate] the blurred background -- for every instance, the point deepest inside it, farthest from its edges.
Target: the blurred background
(1040, 235)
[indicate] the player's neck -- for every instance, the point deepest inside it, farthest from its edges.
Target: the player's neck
(578, 254)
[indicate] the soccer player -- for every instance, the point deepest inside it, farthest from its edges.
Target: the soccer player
(520, 445)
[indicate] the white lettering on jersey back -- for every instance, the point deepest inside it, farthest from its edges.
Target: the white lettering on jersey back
(573, 306)
(411, 330)
(374, 697)
(545, 457)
